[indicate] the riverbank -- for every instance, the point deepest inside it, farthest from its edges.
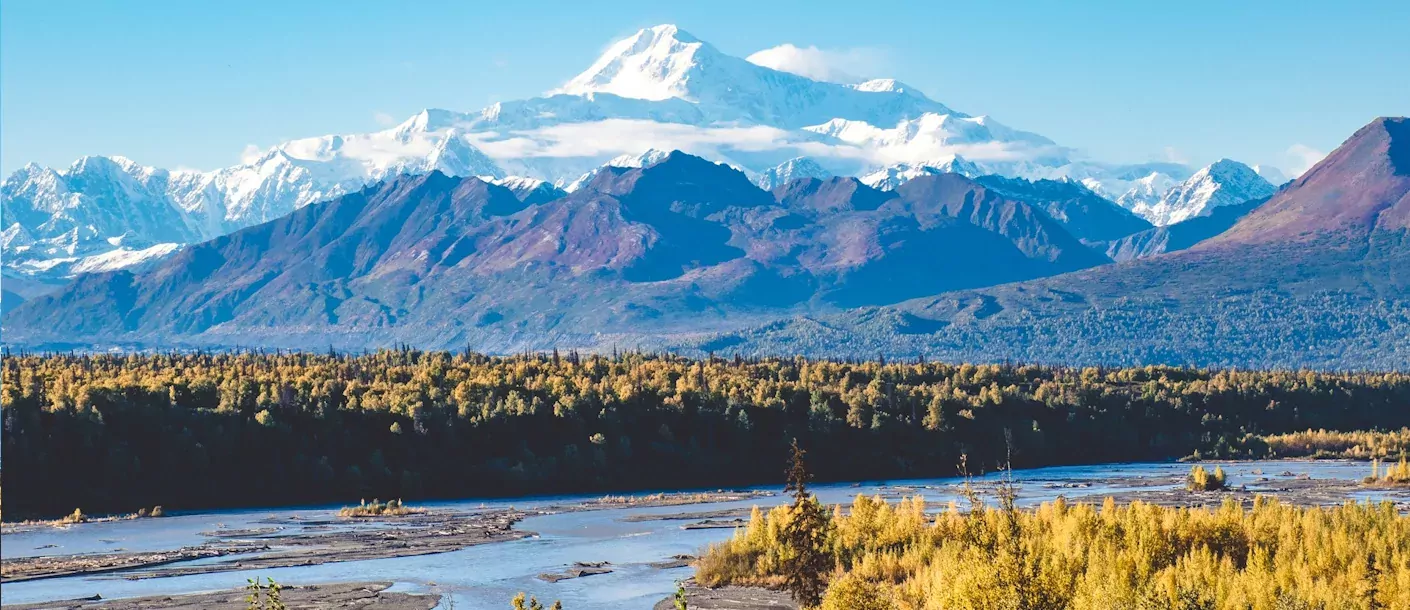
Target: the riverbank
(730, 598)
(329, 540)
(77, 518)
(308, 597)
(384, 537)
(1287, 486)
(647, 537)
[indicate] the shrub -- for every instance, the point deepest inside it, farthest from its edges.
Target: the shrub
(263, 597)
(1201, 479)
(1395, 475)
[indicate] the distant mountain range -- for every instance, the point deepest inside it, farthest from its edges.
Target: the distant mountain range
(1316, 276)
(681, 245)
(660, 89)
(802, 217)
(672, 251)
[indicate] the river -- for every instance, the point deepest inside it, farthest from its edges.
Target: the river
(487, 576)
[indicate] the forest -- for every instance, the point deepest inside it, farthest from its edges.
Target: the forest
(113, 433)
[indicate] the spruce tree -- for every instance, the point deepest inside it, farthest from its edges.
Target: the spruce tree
(805, 537)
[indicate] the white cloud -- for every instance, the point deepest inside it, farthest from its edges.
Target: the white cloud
(1302, 157)
(250, 154)
(611, 137)
(1173, 155)
(833, 65)
(384, 119)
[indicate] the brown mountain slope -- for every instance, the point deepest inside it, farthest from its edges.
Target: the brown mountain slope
(681, 246)
(1361, 188)
(1319, 276)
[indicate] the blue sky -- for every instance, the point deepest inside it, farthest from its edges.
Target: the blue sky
(192, 84)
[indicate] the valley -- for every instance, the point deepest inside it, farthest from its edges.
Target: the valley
(444, 305)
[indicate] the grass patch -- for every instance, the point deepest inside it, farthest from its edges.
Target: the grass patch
(375, 508)
(670, 499)
(78, 516)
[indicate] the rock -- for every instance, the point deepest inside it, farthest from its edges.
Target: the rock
(579, 569)
(730, 598)
(676, 561)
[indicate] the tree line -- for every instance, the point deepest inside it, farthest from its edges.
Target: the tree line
(110, 433)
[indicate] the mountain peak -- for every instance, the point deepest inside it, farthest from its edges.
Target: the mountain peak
(653, 64)
(888, 85)
(1230, 167)
(681, 165)
(96, 165)
(1361, 187)
(683, 177)
(1381, 146)
(1222, 183)
(29, 169)
(790, 170)
(429, 120)
(830, 194)
(648, 157)
(667, 30)
(1396, 134)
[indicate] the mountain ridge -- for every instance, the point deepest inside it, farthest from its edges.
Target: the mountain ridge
(668, 246)
(714, 104)
(1316, 277)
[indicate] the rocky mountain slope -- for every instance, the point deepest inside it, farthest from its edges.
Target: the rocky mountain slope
(1085, 214)
(682, 245)
(1318, 276)
(1179, 236)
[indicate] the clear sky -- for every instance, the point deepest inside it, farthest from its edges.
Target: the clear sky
(192, 84)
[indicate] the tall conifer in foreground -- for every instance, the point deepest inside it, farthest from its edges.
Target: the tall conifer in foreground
(805, 537)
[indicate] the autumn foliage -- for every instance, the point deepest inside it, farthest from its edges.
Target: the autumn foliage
(1083, 557)
(112, 433)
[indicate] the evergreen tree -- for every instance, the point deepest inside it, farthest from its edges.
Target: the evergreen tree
(804, 537)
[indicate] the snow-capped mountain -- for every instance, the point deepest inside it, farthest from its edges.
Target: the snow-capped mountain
(660, 89)
(528, 190)
(1222, 183)
(1136, 194)
(649, 157)
(890, 177)
(664, 63)
(790, 170)
(103, 213)
(112, 208)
